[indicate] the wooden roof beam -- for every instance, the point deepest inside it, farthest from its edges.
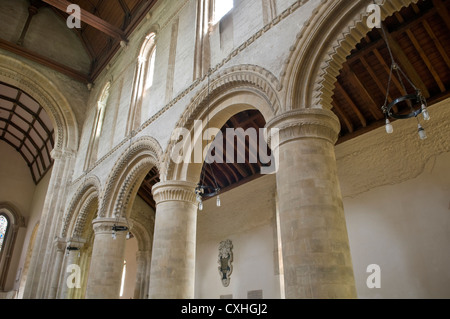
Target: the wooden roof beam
(406, 64)
(442, 11)
(354, 80)
(351, 103)
(344, 117)
(91, 19)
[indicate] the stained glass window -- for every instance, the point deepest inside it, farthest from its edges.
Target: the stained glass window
(3, 228)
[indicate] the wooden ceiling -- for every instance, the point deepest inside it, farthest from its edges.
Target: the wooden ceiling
(105, 26)
(26, 126)
(227, 175)
(419, 37)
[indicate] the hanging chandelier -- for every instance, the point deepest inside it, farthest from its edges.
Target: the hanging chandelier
(416, 102)
(203, 191)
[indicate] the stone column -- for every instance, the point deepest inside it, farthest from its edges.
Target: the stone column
(142, 275)
(38, 279)
(72, 258)
(106, 268)
(172, 274)
(60, 245)
(315, 247)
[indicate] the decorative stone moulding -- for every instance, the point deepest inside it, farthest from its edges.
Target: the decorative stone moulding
(225, 261)
(306, 123)
(174, 191)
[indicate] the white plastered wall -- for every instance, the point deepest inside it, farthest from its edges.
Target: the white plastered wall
(18, 189)
(396, 197)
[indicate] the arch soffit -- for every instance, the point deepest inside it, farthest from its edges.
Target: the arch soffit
(321, 49)
(249, 79)
(130, 169)
(26, 78)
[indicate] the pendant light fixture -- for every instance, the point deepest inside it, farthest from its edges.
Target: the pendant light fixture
(415, 101)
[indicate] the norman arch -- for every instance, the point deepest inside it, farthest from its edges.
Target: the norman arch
(127, 175)
(89, 191)
(321, 49)
(47, 95)
(234, 90)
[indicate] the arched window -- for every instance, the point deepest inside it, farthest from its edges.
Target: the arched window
(144, 79)
(10, 223)
(220, 9)
(3, 230)
(91, 155)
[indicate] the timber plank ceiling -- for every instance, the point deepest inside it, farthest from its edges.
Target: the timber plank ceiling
(105, 26)
(419, 36)
(26, 126)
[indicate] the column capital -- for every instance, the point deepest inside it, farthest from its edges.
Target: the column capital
(181, 191)
(60, 243)
(76, 242)
(306, 123)
(104, 225)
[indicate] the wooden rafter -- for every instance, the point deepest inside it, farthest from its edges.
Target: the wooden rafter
(352, 104)
(91, 19)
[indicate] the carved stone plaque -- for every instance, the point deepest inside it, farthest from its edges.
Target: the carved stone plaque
(225, 261)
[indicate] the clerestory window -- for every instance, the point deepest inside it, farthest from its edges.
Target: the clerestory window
(221, 8)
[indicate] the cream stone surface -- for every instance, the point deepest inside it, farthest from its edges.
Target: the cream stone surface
(316, 253)
(314, 226)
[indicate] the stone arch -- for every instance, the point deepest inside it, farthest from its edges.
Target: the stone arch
(25, 78)
(234, 90)
(127, 175)
(321, 49)
(88, 194)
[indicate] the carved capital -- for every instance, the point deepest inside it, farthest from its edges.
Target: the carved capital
(76, 243)
(60, 244)
(104, 226)
(305, 123)
(174, 191)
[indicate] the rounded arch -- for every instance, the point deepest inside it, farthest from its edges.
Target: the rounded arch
(234, 90)
(88, 194)
(15, 220)
(127, 175)
(40, 88)
(321, 49)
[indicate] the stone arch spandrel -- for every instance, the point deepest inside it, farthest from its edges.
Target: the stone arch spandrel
(231, 91)
(321, 49)
(58, 108)
(129, 171)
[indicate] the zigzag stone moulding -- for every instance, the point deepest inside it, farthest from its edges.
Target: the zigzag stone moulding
(130, 186)
(322, 47)
(272, 79)
(91, 185)
(90, 204)
(239, 78)
(147, 151)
